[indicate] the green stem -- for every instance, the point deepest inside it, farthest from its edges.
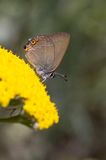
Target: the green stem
(15, 104)
(17, 119)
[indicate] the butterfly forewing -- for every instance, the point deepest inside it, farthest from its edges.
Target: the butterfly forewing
(61, 42)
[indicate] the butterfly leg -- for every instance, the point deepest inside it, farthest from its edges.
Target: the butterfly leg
(44, 79)
(52, 75)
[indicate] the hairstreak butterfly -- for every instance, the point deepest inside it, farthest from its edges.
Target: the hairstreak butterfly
(45, 52)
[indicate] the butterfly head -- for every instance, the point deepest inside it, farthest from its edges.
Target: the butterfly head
(42, 72)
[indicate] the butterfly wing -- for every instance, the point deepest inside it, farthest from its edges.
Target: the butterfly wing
(48, 51)
(42, 53)
(61, 42)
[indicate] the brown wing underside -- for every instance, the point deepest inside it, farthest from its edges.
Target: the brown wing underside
(42, 54)
(49, 51)
(61, 42)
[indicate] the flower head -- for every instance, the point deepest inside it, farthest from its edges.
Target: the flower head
(17, 78)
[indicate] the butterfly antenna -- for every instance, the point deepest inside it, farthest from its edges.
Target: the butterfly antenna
(62, 76)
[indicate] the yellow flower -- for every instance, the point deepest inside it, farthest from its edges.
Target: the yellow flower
(17, 78)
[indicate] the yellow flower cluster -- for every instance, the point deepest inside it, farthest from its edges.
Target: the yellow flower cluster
(17, 78)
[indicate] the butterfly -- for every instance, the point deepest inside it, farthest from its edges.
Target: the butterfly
(45, 52)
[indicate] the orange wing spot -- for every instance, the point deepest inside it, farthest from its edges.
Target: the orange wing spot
(33, 41)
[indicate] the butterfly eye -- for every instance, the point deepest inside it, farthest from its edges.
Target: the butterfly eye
(33, 41)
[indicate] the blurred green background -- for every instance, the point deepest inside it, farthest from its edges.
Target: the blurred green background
(81, 132)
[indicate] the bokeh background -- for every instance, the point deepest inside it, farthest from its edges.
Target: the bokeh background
(81, 132)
